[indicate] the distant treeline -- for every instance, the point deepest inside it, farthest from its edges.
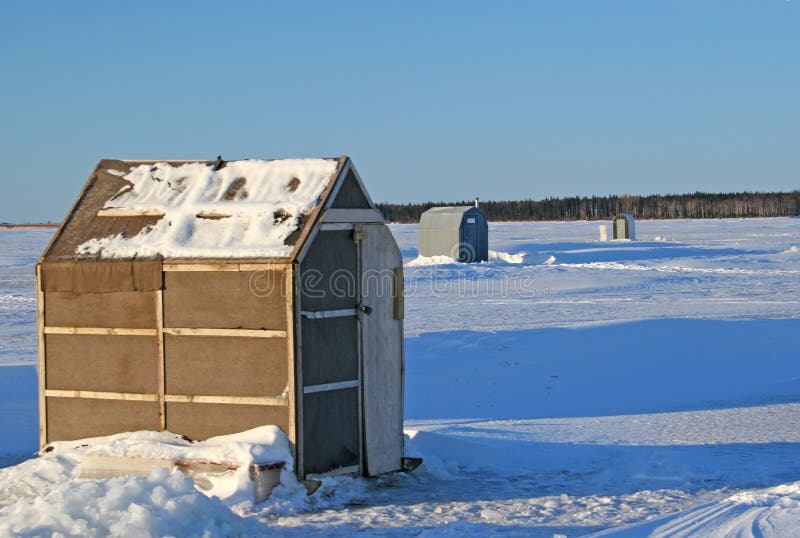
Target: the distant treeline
(700, 205)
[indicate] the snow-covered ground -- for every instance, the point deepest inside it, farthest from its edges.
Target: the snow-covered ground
(580, 388)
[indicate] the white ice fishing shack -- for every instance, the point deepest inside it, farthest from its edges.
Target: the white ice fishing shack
(459, 232)
(624, 227)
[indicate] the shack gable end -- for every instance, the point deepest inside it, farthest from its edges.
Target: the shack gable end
(351, 193)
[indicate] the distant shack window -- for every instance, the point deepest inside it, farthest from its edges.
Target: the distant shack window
(470, 221)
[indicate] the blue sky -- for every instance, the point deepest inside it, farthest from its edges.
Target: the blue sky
(433, 100)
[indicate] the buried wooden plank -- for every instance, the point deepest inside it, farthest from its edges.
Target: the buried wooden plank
(130, 212)
(264, 476)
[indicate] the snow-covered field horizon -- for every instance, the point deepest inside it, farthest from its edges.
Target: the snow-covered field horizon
(568, 386)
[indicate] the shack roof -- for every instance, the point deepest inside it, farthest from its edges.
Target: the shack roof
(246, 209)
(444, 217)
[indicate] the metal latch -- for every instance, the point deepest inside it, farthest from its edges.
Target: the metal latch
(366, 309)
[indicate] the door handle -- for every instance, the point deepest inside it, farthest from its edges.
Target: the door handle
(366, 309)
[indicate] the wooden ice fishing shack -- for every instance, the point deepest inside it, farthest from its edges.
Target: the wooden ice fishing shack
(208, 298)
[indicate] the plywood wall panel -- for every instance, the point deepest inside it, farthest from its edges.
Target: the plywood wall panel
(102, 363)
(125, 309)
(78, 418)
(225, 299)
(226, 366)
(101, 276)
(201, 421)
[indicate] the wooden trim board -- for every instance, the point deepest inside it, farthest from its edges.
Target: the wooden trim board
(247, 333)
(322, 314)
(290, 386)
(336, 227)
(332, 386)
(110, 331)
(41, 358)
(162, 360)
(96, 395)
(237, 400)
(174, 331)
(179, 398)
(335, 215)
(297, 369)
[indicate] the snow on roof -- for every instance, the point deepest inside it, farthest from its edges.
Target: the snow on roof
(443, 217)
(458, 209)
(245, 209)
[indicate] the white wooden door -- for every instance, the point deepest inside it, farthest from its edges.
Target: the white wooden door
(381, 322)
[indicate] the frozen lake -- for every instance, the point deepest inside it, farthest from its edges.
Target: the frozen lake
(592, 385)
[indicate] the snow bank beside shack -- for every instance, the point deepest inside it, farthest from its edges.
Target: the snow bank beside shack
(47, 495)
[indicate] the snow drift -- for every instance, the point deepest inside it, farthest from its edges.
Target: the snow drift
(47, 496)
